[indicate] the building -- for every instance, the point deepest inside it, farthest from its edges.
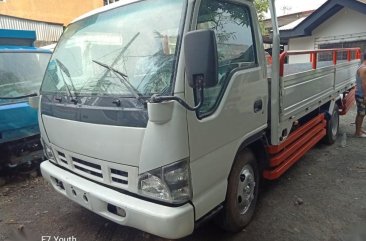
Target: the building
(283, 20)
(106, 2)
(336, 24)
(47, 18)
(55, 11)
(286, 19)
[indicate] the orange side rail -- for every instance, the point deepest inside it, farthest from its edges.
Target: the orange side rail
(314, 56)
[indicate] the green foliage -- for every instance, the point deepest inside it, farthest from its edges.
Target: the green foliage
(216, 11)
(262, 7)
(218, 14)
(212, 11)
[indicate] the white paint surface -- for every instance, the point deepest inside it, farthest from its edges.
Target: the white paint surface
(300, 44)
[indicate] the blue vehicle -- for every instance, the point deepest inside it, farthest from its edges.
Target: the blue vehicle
(22, 67)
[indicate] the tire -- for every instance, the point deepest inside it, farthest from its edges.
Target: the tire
(332, 127)
(236, 215)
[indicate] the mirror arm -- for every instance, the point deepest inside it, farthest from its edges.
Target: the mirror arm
(199, 86)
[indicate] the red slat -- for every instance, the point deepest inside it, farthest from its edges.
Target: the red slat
(277, 172)
(288, 151)
(348, 102)
(296, 134)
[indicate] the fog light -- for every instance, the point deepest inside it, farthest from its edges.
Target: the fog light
(121, 212)
(116, 210)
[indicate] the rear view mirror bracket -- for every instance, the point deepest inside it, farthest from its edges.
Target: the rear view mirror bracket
(201, 62)
(199, 81)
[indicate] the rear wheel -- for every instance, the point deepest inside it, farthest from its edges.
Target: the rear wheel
(332, 127)
(242, 193)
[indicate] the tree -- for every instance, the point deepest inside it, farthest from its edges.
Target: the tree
(262, 7)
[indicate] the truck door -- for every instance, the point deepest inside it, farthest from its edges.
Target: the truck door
(236, 108)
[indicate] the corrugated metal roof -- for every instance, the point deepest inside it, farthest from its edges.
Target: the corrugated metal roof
(292, 25)
(44, 31)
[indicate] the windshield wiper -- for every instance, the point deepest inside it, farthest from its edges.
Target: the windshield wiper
(122, 52)
(123, 79)
(19, 97)
(66, 71)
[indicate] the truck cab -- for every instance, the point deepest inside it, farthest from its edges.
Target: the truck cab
(22, 67)
(157, 114)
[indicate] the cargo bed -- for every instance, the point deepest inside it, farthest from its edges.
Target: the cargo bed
(303, 87)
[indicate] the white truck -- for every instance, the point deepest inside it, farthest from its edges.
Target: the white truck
(160, 114)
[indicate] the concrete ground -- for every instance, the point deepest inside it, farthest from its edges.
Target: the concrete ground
(323, 197)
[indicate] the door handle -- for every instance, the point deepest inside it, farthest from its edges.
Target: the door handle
(258, 105)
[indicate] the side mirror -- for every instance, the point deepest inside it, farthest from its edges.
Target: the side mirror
(200, 50)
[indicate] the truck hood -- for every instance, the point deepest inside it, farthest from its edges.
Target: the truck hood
(116, 144)
(17, 121)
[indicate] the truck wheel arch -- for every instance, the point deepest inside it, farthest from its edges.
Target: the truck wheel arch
(256, 144)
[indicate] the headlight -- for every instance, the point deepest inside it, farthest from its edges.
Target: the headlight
(171, 183)
(48, 152)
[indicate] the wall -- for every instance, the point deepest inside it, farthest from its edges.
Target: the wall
(286, 19)
(346, 21)
(54, 11)
(300, 44)
(347, 25)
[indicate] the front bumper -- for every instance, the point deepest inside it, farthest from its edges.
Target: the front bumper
(160, 220)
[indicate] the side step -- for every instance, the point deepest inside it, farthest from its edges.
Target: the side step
(348, 101)
(294, 147)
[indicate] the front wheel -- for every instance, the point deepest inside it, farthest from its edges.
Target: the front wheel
(332, 127)
(242, 193)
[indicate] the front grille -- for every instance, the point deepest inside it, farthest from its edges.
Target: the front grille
(105, 172)
(119, 176)
(62, 157)
(88, 167)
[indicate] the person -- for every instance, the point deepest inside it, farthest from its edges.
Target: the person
(361, 97)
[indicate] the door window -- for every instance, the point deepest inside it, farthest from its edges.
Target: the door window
(235, 44)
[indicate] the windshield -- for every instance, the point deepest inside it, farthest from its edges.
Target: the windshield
(21, 73)
(137, 41)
